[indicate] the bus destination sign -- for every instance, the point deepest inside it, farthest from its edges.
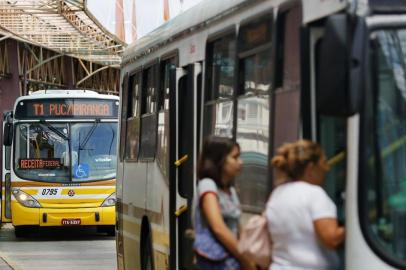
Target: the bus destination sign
(66, 108)
(39, 163)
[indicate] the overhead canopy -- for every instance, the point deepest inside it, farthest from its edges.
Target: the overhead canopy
(65, 26)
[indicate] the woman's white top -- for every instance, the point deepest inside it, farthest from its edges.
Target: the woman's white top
(290, 211)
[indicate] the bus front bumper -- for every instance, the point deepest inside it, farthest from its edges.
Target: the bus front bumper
(62, 216)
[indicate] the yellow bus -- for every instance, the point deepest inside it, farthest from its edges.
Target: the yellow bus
(59, 153)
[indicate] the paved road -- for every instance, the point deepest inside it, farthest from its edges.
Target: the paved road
(72, 248)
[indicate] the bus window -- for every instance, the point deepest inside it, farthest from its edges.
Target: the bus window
(385, 157)
(148, 114)
(253, 100)
(123, 115)
(332, 136)
(132, 117)
(163, 95)
(149, 92)
(93, 151)
(134, 97)
(163, 117)
(219, 93)
(40, 152)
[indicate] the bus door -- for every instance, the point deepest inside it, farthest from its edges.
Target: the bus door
(185, 119)
(331, 124)
(5, 188)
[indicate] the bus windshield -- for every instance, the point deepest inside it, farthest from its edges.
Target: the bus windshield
(65, 152)
(93, 151)
(41, 152)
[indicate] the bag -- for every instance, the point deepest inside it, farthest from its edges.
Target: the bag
(207, 246)
(205, 243)
(255, 241)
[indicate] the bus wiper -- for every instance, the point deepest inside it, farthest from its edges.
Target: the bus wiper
(88, 135)
(54, 129)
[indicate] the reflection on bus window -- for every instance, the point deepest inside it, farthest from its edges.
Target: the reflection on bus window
(219, 119)
(162, 147)
(221, 66)
(220, 87)
(253, 137)
(134, 96)
(163, 96)
(93, 151)
(386, 186)
(253, 114)
(257, 73)
(149, 92)
(132, 120)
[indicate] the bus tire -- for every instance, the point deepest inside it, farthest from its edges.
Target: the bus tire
(109, 230)
(147, 262)
(20, 231)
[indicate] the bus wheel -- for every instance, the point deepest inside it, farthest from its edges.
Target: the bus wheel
(21, 231)
(109, 230)
(146, 256)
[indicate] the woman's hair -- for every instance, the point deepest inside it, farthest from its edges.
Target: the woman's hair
(212, 157)
(292, 158)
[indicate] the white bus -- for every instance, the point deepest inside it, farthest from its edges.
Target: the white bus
(59, 160)
(264, 73)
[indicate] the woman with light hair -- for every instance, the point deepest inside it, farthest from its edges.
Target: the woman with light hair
(302, 219)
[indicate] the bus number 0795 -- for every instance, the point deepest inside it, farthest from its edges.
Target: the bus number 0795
(49, 191)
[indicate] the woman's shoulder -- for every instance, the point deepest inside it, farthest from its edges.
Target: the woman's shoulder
(314, 188)
(299, 187)
(314, 192)
(206, 184)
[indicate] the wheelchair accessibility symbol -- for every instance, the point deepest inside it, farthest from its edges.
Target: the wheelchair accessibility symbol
(81, 171)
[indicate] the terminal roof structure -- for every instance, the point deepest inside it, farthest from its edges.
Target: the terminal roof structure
(65, 26)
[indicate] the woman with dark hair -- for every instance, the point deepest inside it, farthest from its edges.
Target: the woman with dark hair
(217, 210)
(302, 219)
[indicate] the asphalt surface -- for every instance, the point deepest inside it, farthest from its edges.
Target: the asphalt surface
(57, 248)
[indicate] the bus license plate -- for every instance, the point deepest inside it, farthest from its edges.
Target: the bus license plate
(70, 221)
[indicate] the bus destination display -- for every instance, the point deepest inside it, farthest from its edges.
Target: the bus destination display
(64, 108)
(39, 163)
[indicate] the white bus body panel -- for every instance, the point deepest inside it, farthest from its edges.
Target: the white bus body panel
(316, 9)
(358, 254)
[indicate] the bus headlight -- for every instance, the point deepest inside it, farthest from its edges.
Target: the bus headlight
(110, 200)
(25, 199)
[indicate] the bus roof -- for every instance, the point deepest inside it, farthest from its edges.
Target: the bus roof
(66, 94)
(208, 12)
(203, 14)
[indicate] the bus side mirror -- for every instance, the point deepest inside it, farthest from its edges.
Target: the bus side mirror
(333, 67)
(8, 134)
(8, 130)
